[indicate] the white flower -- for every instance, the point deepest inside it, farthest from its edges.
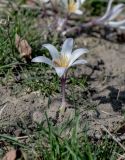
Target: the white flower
(63, 60)
(111, 14)
(44, 1)
(73, 6)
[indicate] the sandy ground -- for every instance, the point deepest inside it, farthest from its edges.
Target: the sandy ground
(106, 91)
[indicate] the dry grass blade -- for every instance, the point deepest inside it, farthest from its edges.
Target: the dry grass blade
(113, 137)
(1, 110)
(122, 157)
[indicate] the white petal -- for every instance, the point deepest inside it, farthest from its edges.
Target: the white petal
(76, 54)
(103, 18)
(82, 1)
(60, 71)
(116, 24)
(116, 11)
(108, 8)
(78, 4)
(65, 2)
(42, 59)
(79, 12)
(111, 13)
(52, 49)
(80, 50)
(122, 27)
(44, 1)
(78, 62)
(67, 47)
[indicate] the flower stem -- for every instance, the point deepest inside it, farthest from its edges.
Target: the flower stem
(63, 84)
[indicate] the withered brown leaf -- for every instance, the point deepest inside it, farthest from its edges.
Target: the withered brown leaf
(23, 47)
(31, 2)
(11, 155)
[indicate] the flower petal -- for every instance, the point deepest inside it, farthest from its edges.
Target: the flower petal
(80, 50)
(122, 27)
(116, 11)
(79, 12)
(67, 47)
(112, 13)
(116, 24)
(81, 61)
(60, 71)
(106, 15)
(76, 54)
(108, 8)
(42, 59)
(82, 1)
(52, 49)
(78, 4)
(65, 3)
(45, 1)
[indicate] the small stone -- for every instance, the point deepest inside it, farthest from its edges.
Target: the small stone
(37, 117)
(98, 135)
(17, 132)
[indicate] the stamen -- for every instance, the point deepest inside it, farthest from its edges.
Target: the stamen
(72, 6)
(62, 61)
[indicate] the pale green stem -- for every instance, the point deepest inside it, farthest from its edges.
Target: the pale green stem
(63, 84)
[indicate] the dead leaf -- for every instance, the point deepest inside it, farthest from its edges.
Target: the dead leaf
(23, 47)
(24, 155)
(11, 155)
(31, 2)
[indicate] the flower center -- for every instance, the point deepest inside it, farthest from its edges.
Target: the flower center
(62, 61)
(72, 7)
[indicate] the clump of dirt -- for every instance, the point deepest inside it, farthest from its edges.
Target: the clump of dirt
(19, 106)
(105, 74)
